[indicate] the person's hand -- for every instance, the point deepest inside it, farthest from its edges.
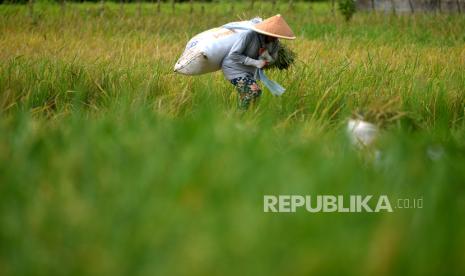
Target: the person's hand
(261, 63)
(265, 55)
(256, 63)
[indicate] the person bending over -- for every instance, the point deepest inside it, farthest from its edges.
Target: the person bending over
(254, 50)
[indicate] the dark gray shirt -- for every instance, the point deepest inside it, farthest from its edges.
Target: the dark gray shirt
(238, 62)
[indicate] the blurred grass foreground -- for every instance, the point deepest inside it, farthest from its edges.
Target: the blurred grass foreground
(110, 164)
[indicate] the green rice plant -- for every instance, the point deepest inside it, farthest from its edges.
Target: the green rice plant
(111, 164)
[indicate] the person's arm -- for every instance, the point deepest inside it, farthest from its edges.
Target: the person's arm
(237, 51)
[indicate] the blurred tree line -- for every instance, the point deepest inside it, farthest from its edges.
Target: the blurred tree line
(154, 1)
(347, 10)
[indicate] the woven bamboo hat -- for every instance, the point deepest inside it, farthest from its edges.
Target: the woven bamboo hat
(275, 26)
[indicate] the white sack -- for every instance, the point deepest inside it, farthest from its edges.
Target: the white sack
(362, 134)
(205, 52)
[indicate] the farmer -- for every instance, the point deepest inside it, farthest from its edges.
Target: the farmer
(254, 50)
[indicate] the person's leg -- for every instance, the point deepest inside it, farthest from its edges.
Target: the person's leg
(249, 91)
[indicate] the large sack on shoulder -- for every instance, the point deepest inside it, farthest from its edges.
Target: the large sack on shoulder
(205, 52)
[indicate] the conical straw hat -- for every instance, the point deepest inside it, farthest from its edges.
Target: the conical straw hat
(275, 26)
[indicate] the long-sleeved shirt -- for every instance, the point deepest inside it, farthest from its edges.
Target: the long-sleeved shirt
(238, 62)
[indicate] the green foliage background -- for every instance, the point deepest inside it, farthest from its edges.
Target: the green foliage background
(110, 164)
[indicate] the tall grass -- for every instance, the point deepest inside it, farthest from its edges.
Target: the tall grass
(110, 164)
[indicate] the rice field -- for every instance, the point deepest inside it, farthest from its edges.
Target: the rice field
(111, 164)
